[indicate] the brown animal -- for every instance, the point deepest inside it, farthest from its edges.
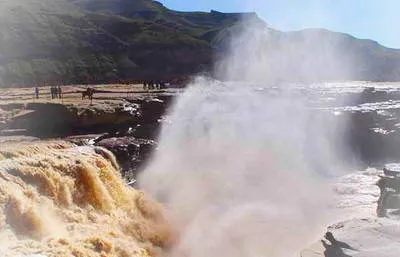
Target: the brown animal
(88, 93)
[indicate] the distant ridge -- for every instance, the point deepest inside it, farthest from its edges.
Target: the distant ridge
(103, 41)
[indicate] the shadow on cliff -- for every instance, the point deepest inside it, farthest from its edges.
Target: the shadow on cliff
(335, 248)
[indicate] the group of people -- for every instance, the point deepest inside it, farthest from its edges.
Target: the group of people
(56, 92)
(151, 84)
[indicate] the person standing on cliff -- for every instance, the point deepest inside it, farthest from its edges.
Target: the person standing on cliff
(52, 91)
(59, 91)
(37, 92)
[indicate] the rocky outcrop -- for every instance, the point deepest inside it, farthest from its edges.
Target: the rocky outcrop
(372, 120)
(366, 238)
(133, 147)
(52, 120)
(362, 233)
(389, 184)
(57, 120)
(129, 128)
(152, 111)
(131, 153)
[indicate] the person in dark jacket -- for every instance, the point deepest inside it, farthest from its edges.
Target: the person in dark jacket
(59, 92)
(37, 92)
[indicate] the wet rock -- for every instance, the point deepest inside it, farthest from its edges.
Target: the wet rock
(131, 153)
(373, 126)
(371, 95)
(152, 111)
(392, 169)
(389, 185)
(83, 140)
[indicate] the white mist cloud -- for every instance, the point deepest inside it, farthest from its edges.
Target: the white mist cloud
(241, 165)
(235, 172)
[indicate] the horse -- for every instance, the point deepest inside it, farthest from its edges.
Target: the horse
(88, 93)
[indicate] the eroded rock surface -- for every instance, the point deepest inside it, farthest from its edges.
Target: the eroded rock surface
(389, 185)
(131, 153)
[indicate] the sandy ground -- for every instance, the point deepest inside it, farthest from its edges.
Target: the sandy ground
(72, 94)
(13, 100)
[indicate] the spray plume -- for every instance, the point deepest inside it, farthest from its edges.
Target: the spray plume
(241, 165)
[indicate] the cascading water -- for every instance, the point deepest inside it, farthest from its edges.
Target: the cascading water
(58, 199)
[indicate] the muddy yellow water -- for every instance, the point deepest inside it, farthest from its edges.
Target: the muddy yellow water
(58, 199)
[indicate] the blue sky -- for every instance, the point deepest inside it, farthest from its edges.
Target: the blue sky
(374, 19)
